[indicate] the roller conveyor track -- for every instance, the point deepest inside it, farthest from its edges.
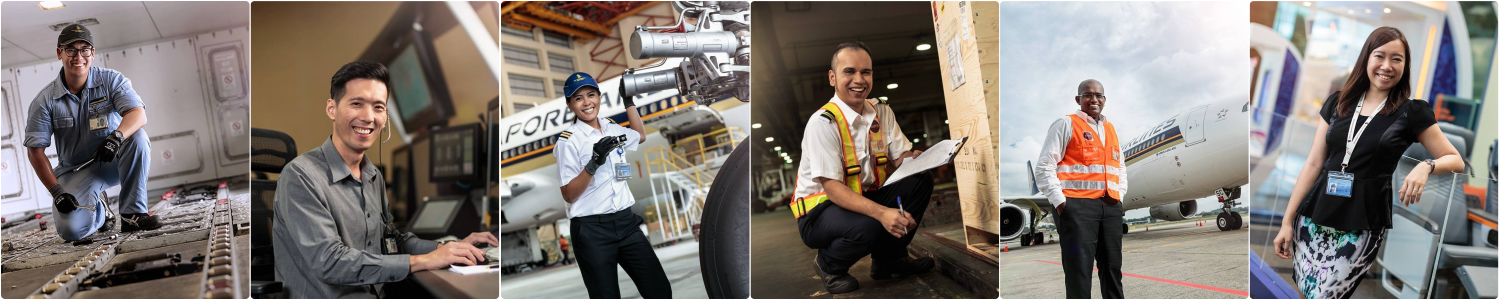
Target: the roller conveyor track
(213, 232)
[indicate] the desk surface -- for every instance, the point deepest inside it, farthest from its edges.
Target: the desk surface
(447, 284)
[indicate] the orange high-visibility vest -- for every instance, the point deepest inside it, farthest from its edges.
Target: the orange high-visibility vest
(1090, 169)
(877, 148)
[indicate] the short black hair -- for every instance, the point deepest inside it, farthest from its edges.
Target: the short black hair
(847, 45)
(357, 70)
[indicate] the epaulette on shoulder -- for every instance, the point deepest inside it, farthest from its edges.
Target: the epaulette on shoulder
(882, 101)
(564, 135)
(826, 115)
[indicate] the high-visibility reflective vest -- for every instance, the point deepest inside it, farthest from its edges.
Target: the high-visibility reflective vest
(876, 146)
(1090, 169)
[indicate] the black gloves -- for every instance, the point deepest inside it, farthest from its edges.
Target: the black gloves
(601, 152)
(64, 201)
(106, 151)
(628, 99)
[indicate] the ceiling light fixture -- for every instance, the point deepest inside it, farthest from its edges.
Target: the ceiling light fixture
(50, 5)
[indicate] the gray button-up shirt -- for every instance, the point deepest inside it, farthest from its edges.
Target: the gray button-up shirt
(79, 122)
(328, 230)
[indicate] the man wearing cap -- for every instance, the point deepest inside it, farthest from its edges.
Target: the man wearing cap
(592, 169)
(97, 120)
(331, 236)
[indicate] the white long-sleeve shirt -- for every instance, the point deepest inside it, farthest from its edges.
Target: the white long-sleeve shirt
(1052, 152)
(823, 149)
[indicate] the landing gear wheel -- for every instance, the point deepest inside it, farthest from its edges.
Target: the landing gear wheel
(724, 253)
(1041, 238)
(1238, 222)
(1127, 228)
(1026, 239)
(1225, 222)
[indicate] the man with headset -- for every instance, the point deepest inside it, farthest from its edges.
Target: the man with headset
(331, 234)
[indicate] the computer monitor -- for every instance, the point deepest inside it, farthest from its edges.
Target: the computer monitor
(456, 155)
(419, 92)
(440, 217)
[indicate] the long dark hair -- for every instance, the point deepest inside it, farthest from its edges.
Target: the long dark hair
(1359, 80)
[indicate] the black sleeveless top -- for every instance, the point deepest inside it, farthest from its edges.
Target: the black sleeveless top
(1374, 160)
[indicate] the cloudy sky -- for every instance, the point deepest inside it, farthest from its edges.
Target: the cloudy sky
(1153, 58)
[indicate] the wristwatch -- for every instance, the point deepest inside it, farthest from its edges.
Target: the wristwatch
(1431, 163)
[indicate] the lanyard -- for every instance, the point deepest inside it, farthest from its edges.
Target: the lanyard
(1353, 138)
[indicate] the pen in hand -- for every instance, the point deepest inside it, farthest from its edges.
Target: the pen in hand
(900, 207)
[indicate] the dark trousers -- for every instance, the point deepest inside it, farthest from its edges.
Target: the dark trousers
(1090, 232)
(602, 242)
(843, 237)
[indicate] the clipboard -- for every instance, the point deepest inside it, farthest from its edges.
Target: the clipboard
(938, 155)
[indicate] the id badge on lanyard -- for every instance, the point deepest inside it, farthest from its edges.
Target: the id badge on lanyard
(622, 168)
(1341, 183)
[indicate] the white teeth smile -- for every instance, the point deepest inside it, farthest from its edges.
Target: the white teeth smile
(588, 111)
(857, 89)
(1383, 77)
(363, 130)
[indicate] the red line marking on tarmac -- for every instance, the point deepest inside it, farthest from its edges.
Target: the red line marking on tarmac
(1186, 284)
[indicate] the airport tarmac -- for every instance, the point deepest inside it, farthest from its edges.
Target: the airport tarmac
(1180, 260)
(680, 262)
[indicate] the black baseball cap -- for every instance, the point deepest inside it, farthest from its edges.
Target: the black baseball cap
(74, 33)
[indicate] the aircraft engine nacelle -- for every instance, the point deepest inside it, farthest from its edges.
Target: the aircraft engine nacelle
(1014, 221)
(1175, 212)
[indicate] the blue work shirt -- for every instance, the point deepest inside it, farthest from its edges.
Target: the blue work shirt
(79, 122)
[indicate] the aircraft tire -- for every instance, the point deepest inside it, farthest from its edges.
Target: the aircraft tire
(724, 248)
(1238, 222)
(1224, 221)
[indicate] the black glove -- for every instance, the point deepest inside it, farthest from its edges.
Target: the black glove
(106, 151)
(628, 99)
(64, 201)
(601, 152)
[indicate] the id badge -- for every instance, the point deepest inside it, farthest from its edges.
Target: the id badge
(622, 171)
(97, 123)
(390, 246)
(1339, 184)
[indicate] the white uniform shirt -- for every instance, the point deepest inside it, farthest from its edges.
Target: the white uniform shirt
(822, 148)
(605, 194)
(1052, 152)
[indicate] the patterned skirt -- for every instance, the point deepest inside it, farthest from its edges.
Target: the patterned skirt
(1330, 263)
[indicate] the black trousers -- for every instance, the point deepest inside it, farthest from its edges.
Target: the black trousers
(843, 237)
(1090, 232)
(602, 242)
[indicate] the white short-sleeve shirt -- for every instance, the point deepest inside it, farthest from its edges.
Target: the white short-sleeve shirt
(605, 194)
(822, 149)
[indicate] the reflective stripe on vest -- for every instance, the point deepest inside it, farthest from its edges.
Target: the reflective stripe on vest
(801, 206)
(1090, 169)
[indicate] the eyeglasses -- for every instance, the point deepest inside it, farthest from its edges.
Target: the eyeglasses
(1095, 96)
(84, 52)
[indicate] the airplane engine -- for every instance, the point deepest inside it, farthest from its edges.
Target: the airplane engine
(1175, 212)
(1014, 221)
